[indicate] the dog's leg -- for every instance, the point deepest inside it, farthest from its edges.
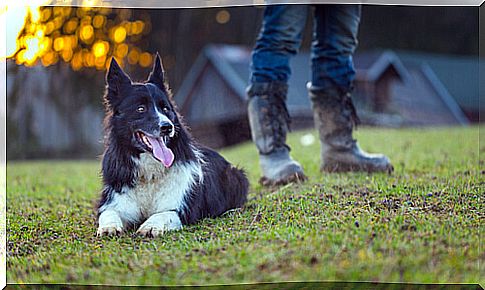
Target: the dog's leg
(158, 223)
(121, 211)
(109, 223)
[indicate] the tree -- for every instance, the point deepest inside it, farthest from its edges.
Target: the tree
(83, 37)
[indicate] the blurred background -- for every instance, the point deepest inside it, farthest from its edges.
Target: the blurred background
(416, 66)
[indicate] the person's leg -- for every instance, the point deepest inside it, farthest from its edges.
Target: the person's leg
(334, 42)
(279, 39)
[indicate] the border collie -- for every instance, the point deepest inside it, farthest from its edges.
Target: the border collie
(156, 177)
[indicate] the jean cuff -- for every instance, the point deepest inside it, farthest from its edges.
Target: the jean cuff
(270, 88)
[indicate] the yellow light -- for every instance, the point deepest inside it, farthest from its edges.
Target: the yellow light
(47, 59)
(57, 10)
(86, 20)
(17, 17)
(145, 59)
(45, 44)
(80, 12)
(73, 41)
(98, 21)
(89, 59)
(223, 16)
(49, 27)
(137, 27)
(66, 55)
(87, 32)
(99, 62)
(100, 48)
(66, 11)
(46, 14)
(77, 61)
(20, 56)
(127, 26)
(46, 35)
(58, 44)
(67, 43)
(58, 21)
(119, 34)
(133, 56)
(70, 26)
(121, 50)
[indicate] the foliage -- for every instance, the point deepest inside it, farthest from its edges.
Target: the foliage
(82, 37)
(420, 224)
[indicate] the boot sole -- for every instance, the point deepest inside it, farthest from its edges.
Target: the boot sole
(296, 178)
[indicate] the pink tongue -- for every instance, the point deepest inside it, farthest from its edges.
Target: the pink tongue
(161, 151)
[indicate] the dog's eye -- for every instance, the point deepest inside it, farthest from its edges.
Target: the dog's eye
(141, 109)
(165, 109)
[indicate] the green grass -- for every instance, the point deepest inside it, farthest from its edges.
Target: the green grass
(420, 224)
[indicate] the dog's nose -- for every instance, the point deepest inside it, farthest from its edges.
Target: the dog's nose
(166, 128)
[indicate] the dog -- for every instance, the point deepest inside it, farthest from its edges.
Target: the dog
(156, 178)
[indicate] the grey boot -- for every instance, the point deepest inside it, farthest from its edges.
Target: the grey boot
(335, 117)
(269, 121)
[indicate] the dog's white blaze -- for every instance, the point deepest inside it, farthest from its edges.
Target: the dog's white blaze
(162, 118)
(158, 190)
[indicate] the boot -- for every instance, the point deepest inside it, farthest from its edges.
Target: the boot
(335, 117)
(269, 121)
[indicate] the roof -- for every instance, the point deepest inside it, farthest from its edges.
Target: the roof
(459, 75)
(371, 65)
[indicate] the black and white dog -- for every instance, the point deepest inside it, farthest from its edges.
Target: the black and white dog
(156, 178)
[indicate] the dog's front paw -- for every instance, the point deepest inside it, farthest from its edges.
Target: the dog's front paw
(151, 231)
(160, 223)
(110, 230)
(109, 224)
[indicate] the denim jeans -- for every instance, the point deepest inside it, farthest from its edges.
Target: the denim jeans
(334, 41)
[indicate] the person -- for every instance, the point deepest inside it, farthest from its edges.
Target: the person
(332, 74)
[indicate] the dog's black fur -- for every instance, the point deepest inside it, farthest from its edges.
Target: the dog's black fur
(133, 107)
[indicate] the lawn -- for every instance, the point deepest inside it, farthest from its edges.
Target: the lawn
(420, 224)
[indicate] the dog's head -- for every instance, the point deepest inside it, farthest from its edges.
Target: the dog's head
(140, 115)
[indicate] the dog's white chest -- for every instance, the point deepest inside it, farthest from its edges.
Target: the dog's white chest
(161, 189)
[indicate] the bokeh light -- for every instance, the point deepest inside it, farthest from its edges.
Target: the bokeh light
(145, 59)
(223, 16)
(80, 36)
(119, 34)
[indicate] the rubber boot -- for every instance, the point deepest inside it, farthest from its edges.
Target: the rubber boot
(269, 121)
(335, 118)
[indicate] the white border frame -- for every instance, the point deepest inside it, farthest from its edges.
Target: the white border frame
(167, 4)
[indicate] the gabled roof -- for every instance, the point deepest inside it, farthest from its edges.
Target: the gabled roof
(371, 65)
(230, 61)
(459, 75)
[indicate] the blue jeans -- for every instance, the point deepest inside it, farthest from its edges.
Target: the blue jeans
(334, 42)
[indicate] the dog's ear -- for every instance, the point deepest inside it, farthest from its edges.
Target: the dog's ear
(116, 80)
(157, 76)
